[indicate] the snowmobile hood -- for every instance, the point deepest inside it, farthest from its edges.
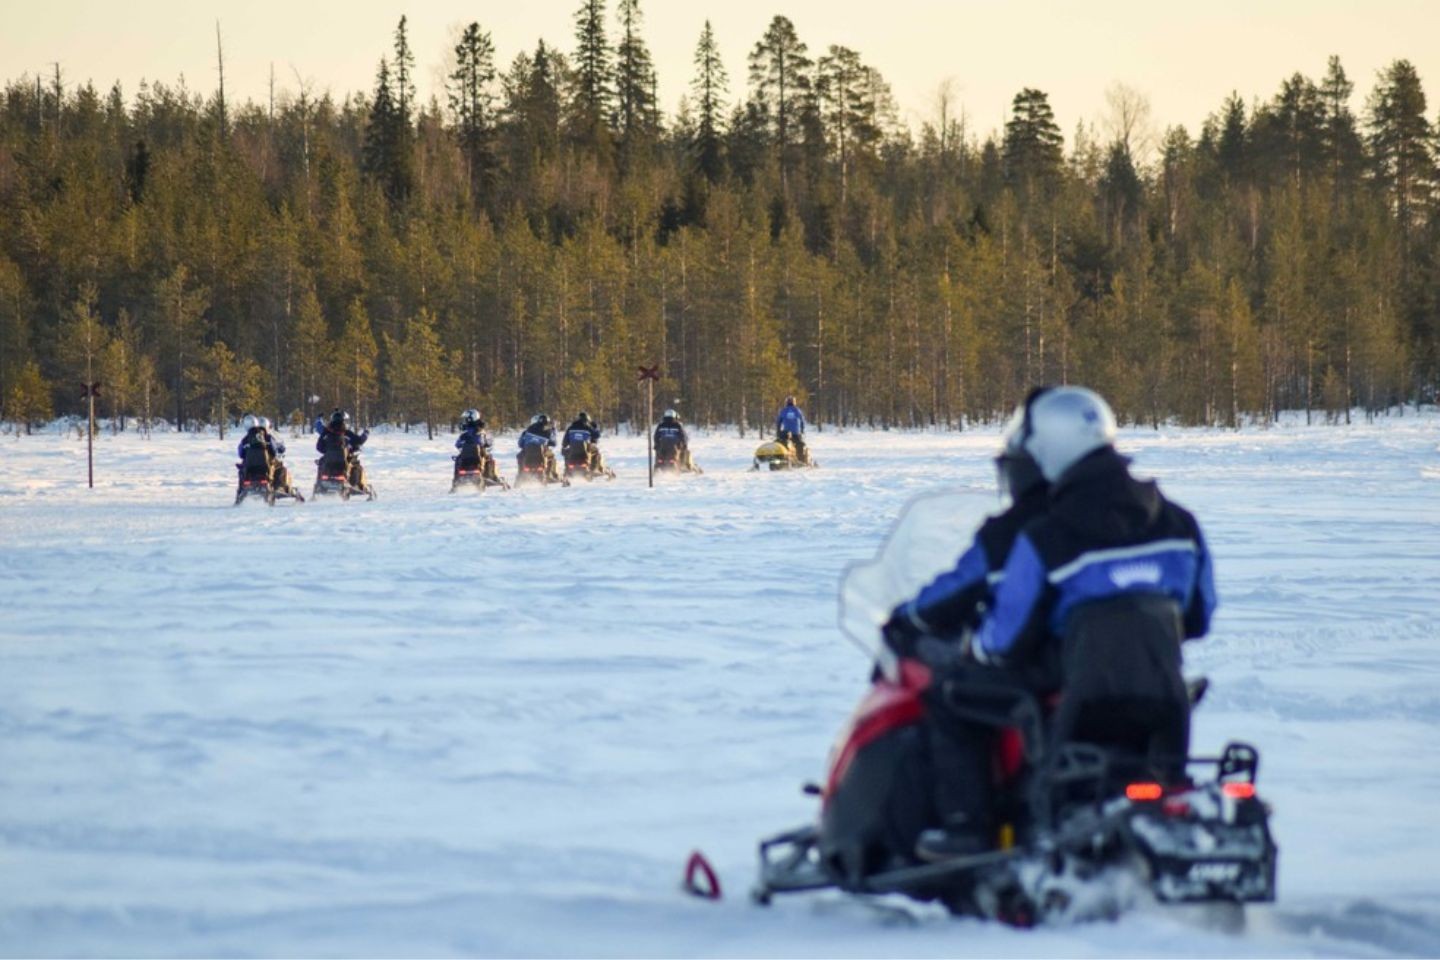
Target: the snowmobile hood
(1101, 501)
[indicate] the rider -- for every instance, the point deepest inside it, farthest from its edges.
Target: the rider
(258, 443)
(339, 436)
(540, 432)
(1096, 597)
(670, 435)
(474, 445)
(584, 434)
(790, 428)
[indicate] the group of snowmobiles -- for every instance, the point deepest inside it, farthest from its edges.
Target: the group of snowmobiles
(262, 471)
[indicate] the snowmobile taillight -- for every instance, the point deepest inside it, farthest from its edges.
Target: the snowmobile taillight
(1144, 791)
(1176, 808)
(1238, 791)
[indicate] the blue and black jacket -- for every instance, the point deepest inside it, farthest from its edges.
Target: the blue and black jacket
(581, 433)
(534, 435)
(350, 439)
(276, 448)
(790, 420)
(1105, 537)
(474, 435)
(955, 600)
(670, 434)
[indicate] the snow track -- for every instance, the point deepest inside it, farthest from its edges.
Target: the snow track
(496, 724)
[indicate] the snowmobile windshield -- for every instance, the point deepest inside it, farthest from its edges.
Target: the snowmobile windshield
(928, 537)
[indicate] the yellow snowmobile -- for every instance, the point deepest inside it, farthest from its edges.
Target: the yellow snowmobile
(780, 455)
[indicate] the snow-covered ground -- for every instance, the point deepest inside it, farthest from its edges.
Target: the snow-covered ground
(436, 725)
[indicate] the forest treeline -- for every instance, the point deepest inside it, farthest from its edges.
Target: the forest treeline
(529, 239)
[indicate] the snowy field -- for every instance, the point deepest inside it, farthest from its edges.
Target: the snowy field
(436, 725)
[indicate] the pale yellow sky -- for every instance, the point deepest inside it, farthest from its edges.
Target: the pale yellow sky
(1185, 57)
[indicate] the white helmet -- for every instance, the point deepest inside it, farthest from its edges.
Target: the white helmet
(469, 416)
(264, 423)
(1065, 424)
(671, 414)
(250, 421)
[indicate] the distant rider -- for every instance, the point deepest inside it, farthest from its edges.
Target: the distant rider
(259, 450)
(475, 447)
(1096, 597)
(584, 434)
(672, 440)
(540, 433)
(338, 438)
(790, 428)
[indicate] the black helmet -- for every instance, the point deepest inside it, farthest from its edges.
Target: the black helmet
(1016, 469)
(539, 420)
(583, 417)
(789, 401)
(339, 419)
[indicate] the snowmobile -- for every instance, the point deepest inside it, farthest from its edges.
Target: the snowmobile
(671, 459)
(1085, 829)
(255, 475)
(335, 473)
(475, 468)
(779, 454)
(578, 459)
(536, 465)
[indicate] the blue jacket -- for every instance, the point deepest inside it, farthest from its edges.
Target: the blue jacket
(475, 435)
(790, 419)
(1106, 535)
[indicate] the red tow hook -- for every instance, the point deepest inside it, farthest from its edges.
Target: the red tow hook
(700, 879)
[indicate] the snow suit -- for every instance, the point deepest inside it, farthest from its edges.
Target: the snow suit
(543, 437)
(475, 445)
(344, 443)
(1093, 602)
(583, 436)
(671, 441)
(259, 452)
(790, 428)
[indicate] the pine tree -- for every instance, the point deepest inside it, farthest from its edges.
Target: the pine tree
(709, 87)
(1032, 149)
(780, 83)
(422, 374)
(1400, 144)
(28, 400)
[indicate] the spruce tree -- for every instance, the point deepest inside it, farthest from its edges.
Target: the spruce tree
(709, 87)
(594, 79)
(472, 103)
(634, 83)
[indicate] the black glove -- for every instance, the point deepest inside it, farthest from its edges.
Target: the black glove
(901, 634)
